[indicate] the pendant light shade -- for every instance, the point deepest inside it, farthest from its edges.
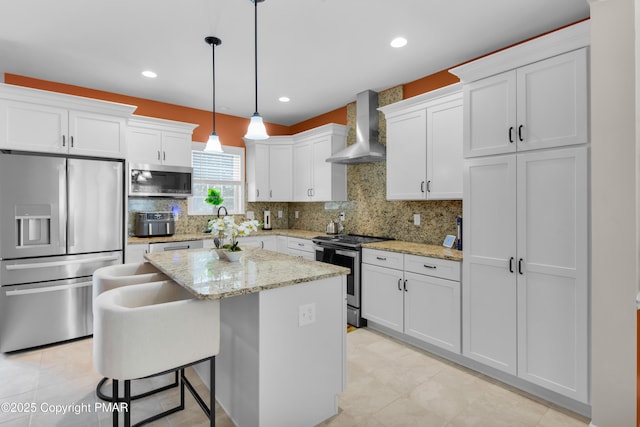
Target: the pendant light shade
(256, 128)
(213, 144)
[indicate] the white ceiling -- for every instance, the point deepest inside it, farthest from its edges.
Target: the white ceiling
(319, 53)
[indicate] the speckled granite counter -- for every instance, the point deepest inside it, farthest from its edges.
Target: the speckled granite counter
(303, 234)
(207, 277)
(416, 249)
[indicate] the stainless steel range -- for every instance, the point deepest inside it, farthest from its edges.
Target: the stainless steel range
(346, 251)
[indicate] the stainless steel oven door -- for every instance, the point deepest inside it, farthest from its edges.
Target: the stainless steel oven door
(349, 259)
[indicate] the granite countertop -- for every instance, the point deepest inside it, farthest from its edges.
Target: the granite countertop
(411, 248)
(207, 277)
(421, 249)
(302, 234)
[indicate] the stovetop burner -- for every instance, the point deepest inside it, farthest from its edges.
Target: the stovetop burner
(350, 240)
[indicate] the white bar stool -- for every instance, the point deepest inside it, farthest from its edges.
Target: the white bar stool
(153, 328)
(115, 276)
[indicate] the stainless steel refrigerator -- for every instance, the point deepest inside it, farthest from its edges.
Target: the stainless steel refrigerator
(60, 220)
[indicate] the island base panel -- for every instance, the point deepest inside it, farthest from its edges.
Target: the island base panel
(272, 372)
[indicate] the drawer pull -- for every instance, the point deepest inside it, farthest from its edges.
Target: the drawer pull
(381, 258)
(301, 244)
(433, 267)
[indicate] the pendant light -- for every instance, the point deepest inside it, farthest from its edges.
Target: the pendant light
(256, 128)
(213, 144)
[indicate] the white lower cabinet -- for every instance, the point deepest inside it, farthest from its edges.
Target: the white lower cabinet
(302, 248)
(414, 295)
(134, 253)
(526, 287)
(262, 242)
(282, 244)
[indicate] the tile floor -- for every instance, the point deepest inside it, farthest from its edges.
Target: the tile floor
(389, 384)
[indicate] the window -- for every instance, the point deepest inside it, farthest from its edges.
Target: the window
(224, 171)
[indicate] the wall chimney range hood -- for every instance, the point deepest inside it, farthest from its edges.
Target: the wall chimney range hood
(367, 149)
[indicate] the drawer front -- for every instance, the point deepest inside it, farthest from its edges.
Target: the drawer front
(300, 244)
(383, 258)
(435, 267)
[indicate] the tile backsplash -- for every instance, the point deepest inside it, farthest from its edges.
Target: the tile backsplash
(366, 212)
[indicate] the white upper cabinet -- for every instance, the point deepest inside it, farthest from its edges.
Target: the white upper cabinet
(294, 168)
(280, 167)
(540, 105)
(531, 96)
(160, 142)
(269, 169)
(315, 180)
(424, 146)
(36, 120)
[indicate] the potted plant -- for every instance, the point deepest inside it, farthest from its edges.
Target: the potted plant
(228, 228)
(214, 197)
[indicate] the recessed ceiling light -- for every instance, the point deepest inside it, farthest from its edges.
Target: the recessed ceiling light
(398, 42)
(284, 99)
(149, 74)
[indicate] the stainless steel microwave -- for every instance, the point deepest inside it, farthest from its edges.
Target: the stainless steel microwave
(159, 181)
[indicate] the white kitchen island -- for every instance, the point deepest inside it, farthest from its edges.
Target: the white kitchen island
(282, 358)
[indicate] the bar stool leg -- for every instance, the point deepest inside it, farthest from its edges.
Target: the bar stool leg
(127, 399)
(114, 393)
(212, 393)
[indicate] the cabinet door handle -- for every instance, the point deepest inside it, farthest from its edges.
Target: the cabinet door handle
(405, 286)
(511, 134)
(433, 267)
(164, 155)
(399, 282)
(520, 133)
(158, 154)
(381, 258)
(520, 266)
(422, 186)
(71, 138)
(429, 186)
(261, 244)
(511, 264)
(257, 192)
(63, 140)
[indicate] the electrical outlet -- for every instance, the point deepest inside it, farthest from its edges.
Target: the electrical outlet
(306, 314)
(279, 214)
(416, 219)
(341, 216)
(250, 215)
(296, 214)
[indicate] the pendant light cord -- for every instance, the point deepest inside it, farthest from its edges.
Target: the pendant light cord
(255, 51)
(213, 92)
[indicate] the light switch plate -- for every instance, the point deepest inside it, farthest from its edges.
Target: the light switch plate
(416, 219)
(279, 214)
(250, 215)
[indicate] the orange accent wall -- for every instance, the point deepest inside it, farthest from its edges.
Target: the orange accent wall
(338, 116)
(427, 84)
(230, 129)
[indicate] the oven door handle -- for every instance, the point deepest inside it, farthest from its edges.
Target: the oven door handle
(350, 254)
(48, 289)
